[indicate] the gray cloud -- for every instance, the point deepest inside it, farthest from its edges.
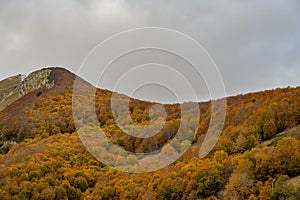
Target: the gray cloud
(255, 44)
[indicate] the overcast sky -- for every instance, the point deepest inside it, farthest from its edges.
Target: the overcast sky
(255, 44)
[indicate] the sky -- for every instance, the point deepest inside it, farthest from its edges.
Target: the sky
(254, 44)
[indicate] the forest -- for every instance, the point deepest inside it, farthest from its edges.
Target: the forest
(256, 157)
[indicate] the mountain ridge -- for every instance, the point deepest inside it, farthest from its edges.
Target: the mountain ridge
(60, 72)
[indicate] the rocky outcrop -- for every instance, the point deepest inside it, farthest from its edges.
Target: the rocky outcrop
(34, 81)
(11, 89)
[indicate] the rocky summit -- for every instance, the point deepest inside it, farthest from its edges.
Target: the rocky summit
(12, 88)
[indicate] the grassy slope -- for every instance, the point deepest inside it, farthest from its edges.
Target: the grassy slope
(8, 94)
(291, 132)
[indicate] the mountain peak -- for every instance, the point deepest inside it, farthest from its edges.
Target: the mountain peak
(15, 87)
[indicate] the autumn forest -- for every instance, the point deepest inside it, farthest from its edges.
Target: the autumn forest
(257, 156)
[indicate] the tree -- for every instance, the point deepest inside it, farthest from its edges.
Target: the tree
(240, 186)
(282, 190)
(171, 187)
(209, 179)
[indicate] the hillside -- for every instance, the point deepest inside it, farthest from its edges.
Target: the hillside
(256, 157)
(7, 88)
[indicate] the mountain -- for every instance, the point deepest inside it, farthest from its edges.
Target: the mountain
(256, 157)
(36, 89)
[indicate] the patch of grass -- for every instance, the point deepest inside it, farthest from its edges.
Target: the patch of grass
(275, 140)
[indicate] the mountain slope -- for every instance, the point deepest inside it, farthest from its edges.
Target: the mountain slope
(43, 157)
(7, 93)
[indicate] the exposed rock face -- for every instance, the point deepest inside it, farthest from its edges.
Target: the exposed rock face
(15, 87)
(34, 81)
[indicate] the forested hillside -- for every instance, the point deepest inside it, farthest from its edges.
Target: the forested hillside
(256, 157)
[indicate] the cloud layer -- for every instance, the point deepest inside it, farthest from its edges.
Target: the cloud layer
(255, 44)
